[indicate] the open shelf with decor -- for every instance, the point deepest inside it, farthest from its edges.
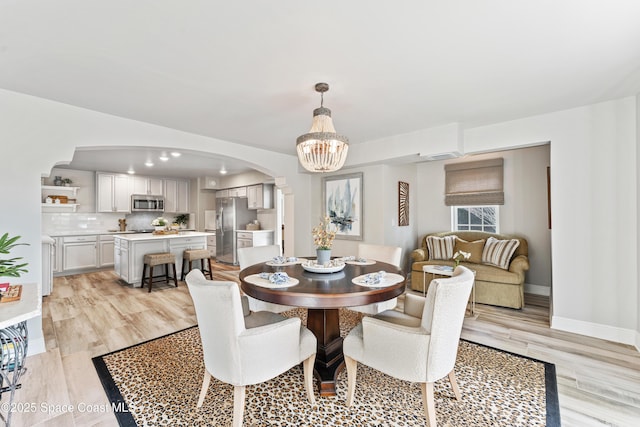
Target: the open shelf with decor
(62, 198)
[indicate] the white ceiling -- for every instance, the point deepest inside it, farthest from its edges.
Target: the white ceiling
(244, 71)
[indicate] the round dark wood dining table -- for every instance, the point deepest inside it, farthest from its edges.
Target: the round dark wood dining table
(323, 294)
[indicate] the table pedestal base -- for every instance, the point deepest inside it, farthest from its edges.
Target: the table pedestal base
(325, 325)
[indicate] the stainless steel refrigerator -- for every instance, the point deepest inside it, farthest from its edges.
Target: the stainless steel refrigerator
(232, 214)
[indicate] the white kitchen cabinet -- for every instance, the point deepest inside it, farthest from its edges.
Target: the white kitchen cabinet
(176, 196)
(211, 245)
(146, 185)
(237, 192)
(260, 196)
(222, 194)
(121, 258)
(183, 197)
(48, 256)
(105, 251)
(57, 255)
(248, 239)
(79, 252)
(113, 192)
(117, 263)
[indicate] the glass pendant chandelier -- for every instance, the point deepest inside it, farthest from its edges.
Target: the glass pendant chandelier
(322, 149)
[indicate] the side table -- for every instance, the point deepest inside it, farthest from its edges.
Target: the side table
(445, 271)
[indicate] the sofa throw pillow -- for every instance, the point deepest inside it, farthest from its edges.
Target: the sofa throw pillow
(475, 248)
(440, 247)
(499, 252)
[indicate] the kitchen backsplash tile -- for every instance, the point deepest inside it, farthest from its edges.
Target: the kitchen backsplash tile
(56, 223)
(59, 223)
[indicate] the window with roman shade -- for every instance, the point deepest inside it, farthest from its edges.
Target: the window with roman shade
(474, 183)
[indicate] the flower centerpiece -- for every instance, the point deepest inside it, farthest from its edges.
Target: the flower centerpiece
(460, 255)
(323, 239)
(159, 223)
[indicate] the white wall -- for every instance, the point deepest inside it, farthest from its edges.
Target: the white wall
(524, 211)
(394, 235)
(637, 343)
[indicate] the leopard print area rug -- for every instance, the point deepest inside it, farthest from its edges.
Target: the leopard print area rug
(160, 382)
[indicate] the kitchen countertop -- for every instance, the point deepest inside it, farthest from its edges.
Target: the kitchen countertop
(97, 232)
(29, 306)
(86, 232)
(151, 236)
(254, 231)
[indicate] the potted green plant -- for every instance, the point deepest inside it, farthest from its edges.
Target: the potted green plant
(11, 267)
(182, 220)
(67, 182)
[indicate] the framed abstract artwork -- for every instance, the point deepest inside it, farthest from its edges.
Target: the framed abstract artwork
(403, 203)
(342, 203)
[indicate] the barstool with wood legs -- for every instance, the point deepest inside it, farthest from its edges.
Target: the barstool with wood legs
(195, 255)
(163, 258)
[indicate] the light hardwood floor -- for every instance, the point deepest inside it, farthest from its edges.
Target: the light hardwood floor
(92, 314)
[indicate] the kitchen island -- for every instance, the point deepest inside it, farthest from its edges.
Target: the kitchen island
(130, 249)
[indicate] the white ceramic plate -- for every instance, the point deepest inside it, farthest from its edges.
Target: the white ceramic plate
(315, 268)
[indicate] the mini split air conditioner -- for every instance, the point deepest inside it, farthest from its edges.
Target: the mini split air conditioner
(442, 156)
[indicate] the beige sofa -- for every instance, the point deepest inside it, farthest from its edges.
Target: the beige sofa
(494, 285)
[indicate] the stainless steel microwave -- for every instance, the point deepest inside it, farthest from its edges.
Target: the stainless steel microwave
(146, 203)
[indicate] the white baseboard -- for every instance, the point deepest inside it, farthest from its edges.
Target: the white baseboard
(36, 346)
(596, 330)
(530, 288)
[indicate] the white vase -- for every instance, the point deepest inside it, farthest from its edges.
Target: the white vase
(159, 227)
(323, 256)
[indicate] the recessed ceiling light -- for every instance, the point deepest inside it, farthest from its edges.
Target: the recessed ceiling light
(176, 154)
(148, 164)
(131, 171)
(223, 171)
(164, 158)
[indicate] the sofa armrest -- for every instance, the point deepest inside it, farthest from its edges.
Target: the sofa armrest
(519, 264)
(419, 255)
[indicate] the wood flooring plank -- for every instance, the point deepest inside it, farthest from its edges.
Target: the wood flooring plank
(64, 308)
(47, 394)
(597, 408)
(76, 334)
(49, 333)
(121, 337)
(62, 420)
(85, 391)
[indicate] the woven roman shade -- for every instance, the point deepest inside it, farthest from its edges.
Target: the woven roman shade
(474, 183)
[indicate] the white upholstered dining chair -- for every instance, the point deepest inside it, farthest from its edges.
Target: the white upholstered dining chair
(254, 255)
(419, 345)
(389, 254)
(246, 350)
